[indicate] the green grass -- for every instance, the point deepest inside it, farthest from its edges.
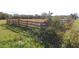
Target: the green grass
(17, 37)
(76, 25)
(6, 34)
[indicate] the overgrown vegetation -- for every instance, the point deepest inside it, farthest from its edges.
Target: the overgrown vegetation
(16, 37)
(52, 35)
(71, 37)
(56, 34)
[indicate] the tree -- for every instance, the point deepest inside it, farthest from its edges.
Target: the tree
(51, 36)
(57, 25)
(16, 16)
(74, 16)
(44, 15)
(3, 15)
(36, 16)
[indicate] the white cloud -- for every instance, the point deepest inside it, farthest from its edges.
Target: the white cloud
(39, 6)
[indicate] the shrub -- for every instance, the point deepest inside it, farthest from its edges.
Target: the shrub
(51, 36)
(71, 39)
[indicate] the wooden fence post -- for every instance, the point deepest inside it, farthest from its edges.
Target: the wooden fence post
(18, 22)
(8, 21)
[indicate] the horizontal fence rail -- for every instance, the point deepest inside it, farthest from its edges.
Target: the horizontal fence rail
(27, 22)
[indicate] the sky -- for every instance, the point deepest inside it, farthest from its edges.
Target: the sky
(57, 7)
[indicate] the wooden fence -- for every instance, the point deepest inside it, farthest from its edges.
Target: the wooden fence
(27, 22)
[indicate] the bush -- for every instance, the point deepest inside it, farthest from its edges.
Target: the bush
(51, 36)
(71, 39)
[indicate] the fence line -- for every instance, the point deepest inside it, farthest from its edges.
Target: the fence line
(27, 22)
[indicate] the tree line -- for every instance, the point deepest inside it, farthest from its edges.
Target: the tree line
(36, 16)
(22, 16)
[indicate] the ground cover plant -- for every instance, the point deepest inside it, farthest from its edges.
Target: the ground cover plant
(16, 37)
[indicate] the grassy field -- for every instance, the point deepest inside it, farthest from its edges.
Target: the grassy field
(6, 34)
(76, 24)
(16, 37)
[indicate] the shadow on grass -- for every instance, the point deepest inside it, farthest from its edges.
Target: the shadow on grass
(34, 32)
(25, 39)
(26, 30)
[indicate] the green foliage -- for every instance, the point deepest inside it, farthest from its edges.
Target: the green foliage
(57, 25)
(74, 16)
(71, 37)
(3, 15)
(51, 36)
(16, 37)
